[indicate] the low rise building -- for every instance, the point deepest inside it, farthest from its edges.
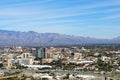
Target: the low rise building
(22, 59)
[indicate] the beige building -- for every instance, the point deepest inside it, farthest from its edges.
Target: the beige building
(47, 60)
(22, 59)
(78, 56)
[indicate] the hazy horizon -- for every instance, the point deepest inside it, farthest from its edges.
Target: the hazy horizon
(95, 18)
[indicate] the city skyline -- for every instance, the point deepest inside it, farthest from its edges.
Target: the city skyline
(95, 18)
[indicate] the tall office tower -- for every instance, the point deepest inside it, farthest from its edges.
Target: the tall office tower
(44, 53)
(41, 53)
(38, 53)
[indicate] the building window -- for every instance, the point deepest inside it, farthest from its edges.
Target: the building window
(23, 55)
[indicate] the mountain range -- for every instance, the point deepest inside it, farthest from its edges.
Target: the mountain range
(32, 38)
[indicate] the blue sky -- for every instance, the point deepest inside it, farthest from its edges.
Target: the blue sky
(88, 18)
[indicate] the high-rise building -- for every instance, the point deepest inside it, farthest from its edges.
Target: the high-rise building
(44, 53)
(41, 53)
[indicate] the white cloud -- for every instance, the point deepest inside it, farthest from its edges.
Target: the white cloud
(117, 16)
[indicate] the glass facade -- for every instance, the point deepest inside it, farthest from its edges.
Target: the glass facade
(39, 53)
(25, 62)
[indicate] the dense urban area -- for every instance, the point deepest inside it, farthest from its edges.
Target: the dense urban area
(93, 62)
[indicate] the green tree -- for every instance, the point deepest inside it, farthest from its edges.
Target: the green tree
(1, 65)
